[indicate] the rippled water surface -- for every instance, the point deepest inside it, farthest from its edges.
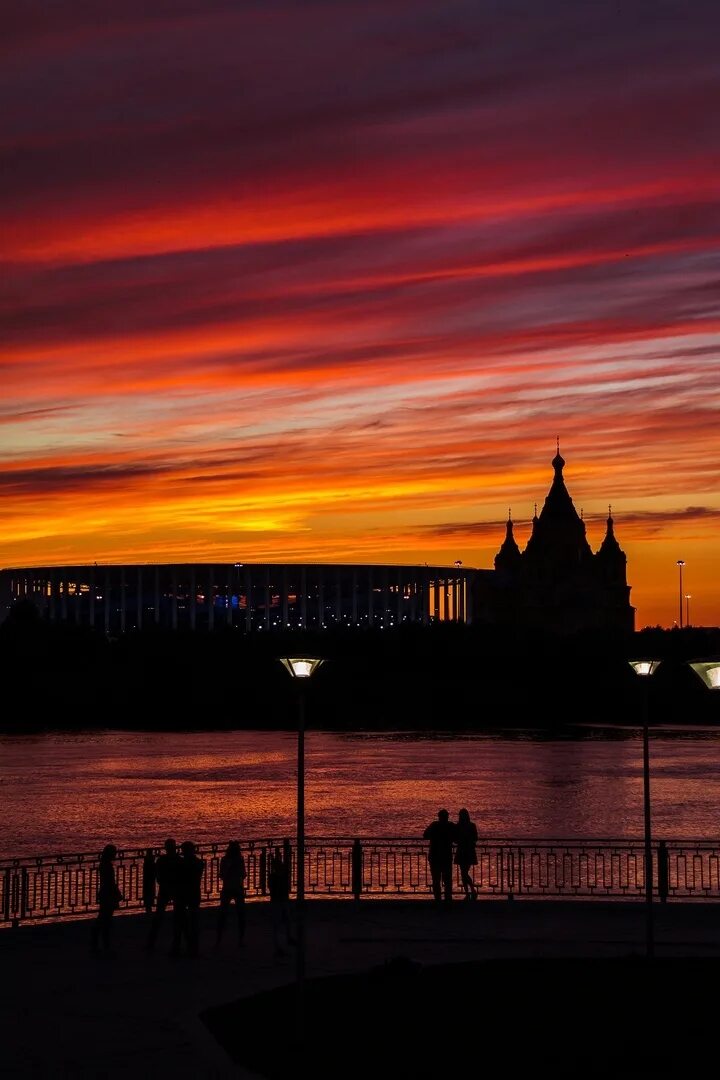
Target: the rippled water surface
(74, 792)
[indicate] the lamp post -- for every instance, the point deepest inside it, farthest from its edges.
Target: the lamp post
(301, 669)
(680, 564)
(688, 598)
(644, 669)
(708, 671)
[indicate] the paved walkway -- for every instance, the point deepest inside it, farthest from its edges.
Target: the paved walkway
(65, 1012)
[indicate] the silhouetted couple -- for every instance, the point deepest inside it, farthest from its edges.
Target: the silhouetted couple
(179, 876)
(443, 834)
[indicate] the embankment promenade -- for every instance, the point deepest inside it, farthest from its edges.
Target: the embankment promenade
(66, 1012)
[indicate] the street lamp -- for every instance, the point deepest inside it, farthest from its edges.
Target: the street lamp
(680, 564)
(301, 669)
(688, 598)
(708, 671)
(644, 669)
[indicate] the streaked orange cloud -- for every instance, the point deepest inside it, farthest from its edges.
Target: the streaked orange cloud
(325, 282)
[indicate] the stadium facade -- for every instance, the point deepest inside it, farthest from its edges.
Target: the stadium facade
(251, 596)
(557, 583)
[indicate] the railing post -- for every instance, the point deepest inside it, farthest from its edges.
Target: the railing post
(6, 896)
(663, 872)
(287, 859)
(262, 872)
(15, 898)
(509, 873)
(357, 869)
(23, 892)
(519, 869)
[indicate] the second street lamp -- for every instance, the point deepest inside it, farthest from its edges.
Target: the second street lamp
(301, 669)
(708, 671)
(644, 669)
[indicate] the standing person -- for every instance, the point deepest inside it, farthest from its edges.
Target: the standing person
(232, 875)
(186, 904)
(148, 882)
(279, 887)
(441, 834)
(108, 898)
(167, 869)
(466, 836)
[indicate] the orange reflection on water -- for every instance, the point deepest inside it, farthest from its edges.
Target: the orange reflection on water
(75, 792)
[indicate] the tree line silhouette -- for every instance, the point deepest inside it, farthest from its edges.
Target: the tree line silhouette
(448, 676)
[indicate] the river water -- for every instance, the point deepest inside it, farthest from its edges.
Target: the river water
(73, 792)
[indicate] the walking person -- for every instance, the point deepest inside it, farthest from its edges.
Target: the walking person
(186, 903)
(279, 888)
(167, 868)
(466, 836)
(441, 834)
(232, 875)
(108, 898)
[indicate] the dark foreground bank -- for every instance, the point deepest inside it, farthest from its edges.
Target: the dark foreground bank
(495, 996)
(594, 1017)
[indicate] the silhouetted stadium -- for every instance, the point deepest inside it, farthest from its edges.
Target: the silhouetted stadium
(252, 596)
(556, 583)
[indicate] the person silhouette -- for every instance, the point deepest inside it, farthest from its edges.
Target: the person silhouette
(441, 834)
(279, 888)
(186, 903)
(148, 882)
(167, 868)
(108, 898)
(466, 836)
(232, 874)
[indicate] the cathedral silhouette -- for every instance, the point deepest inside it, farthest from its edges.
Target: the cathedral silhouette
(557, 584)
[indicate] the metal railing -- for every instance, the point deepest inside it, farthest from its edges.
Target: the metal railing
(65, 886)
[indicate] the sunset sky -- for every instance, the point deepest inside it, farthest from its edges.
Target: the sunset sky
(324, 281)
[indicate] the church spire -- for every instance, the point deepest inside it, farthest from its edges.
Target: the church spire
(610, 539)
(610, 556)
(508, 557)
(558, 540)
